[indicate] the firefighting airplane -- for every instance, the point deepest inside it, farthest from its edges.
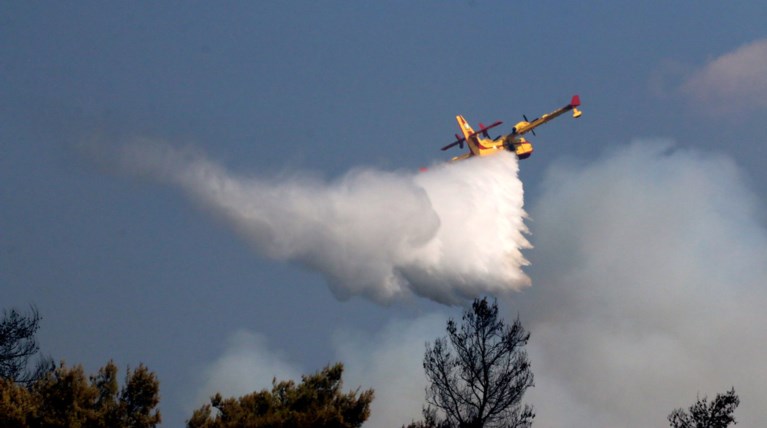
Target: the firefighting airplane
(480, 143)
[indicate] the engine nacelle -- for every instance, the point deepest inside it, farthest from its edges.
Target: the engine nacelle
(521, 125)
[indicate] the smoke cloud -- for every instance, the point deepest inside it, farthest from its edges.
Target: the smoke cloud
(248, 364)
(448, 234)
(650, 264)
(731, 83)
(649, 273)
(649, 268)
(389, 361)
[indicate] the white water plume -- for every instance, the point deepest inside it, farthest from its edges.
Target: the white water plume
(448, 234)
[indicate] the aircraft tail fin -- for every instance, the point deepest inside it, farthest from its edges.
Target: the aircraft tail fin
(468, 134)
(467, 130)
(574, 103)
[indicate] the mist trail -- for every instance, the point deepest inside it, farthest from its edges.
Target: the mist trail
(448, 234)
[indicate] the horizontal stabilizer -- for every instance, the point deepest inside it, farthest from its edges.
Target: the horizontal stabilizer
(483, 129)
(458, 141)
(451, 145)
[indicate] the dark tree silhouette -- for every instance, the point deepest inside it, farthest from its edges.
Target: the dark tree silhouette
(430, 420)
(480, 371)
(717, 414)
(18, 345)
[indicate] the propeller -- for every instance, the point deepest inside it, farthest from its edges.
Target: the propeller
(458, 142)
(526, 120)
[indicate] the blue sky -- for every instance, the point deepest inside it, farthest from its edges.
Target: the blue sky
(131, 269)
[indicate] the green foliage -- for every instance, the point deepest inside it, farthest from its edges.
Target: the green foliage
(717, 414)
(139, 397)
(65, 398)
(16, 404)
(479, 373)
(316, 402)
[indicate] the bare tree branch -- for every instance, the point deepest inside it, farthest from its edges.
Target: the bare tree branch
(479, 373)
(18, 345)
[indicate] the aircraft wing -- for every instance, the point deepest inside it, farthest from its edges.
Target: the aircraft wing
(525, 127)
(482, 130)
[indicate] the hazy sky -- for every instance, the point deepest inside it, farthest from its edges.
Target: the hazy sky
(646, 215)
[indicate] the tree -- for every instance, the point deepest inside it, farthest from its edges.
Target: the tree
(65, 398)
(18, 345)
(138, 398)
(16, 404)
(479, 372)
(717, 414)
(430, 420)
(316, 402)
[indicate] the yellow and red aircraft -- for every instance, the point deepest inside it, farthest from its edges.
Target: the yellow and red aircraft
(480, 143)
